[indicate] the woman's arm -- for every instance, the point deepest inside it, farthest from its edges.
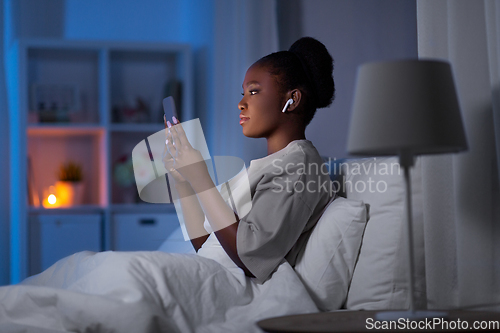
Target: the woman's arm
(192, 213)
(222, 219)
(190, 164)
(191, 209)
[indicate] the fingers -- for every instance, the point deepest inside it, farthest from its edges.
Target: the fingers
(167, 136)
(172, 130)
(168, 160)
(169, 142)
(180, 132)
(166, 155)
(174, 137)
(165, 123)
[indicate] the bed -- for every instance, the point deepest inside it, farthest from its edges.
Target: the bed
(354, 259)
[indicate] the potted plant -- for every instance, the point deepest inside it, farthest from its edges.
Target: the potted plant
(69, 187)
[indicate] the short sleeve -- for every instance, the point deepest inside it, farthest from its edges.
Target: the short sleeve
(276, 220)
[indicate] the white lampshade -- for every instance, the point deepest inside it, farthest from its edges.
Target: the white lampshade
(407, 106)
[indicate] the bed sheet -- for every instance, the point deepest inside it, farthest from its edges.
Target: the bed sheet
(141, 292)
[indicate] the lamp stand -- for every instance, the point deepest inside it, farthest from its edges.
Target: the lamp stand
(406, 160)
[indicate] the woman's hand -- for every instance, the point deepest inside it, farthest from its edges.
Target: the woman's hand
(168, 162)
(187, 162)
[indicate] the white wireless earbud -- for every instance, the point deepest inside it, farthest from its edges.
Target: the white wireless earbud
(290, 101)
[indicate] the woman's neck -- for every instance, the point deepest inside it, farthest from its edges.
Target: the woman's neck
(278, 142)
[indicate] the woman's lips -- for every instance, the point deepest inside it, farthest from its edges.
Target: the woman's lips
(243, 120)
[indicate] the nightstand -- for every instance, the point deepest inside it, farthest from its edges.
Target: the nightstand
(362, 321)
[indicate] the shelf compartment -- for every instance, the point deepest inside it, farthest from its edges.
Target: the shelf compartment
(139, 80)
(62, 85)
(123, 186)
(49, 147)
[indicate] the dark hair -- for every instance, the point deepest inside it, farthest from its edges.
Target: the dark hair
(308, 66)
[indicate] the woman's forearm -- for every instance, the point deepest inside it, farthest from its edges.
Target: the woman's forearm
(192, 213)
(190, 165)
(222, 219)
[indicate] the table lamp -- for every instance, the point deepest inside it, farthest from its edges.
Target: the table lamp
(406, 108)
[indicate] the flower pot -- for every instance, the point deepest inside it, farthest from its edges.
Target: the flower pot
(69, 193)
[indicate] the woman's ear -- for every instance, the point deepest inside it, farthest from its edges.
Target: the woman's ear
(296, 96)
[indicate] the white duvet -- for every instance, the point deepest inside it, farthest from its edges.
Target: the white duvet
(143, 292)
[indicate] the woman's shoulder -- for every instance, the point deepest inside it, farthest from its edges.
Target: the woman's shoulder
(298, 160)
(298, 155)
(298, 172)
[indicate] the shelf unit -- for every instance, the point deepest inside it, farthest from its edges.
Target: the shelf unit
(90, 102)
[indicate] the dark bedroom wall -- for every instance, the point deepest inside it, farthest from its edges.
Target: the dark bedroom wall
(4, 166)
(19, 19)
(354, 31)
(41, 19)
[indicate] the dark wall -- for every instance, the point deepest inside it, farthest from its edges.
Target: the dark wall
(354, 31)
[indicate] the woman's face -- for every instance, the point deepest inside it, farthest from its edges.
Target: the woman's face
(261, 104)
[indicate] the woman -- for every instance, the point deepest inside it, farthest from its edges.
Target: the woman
(281, 93)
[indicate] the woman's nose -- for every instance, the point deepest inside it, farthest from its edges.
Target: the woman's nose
(242, 104)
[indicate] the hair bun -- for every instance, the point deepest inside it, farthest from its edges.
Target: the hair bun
(318, 65)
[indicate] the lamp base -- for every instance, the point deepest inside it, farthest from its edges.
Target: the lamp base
(410, 315)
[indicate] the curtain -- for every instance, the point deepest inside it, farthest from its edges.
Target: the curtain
(4, 167)
(461, 220)
(245, 31)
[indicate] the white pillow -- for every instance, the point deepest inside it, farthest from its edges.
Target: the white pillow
(380, 276)
(327, 262)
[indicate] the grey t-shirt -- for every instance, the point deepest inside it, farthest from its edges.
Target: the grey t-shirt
(289, 191)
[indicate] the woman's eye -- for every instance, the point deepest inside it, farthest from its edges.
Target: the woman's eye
(251, 92)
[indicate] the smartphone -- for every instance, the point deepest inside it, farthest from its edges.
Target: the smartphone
(169, 108)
